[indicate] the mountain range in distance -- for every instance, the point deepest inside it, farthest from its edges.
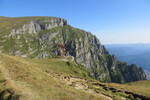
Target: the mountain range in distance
(138, 54)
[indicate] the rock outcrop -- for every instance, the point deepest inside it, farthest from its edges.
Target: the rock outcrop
(35, 26)
(38, 39)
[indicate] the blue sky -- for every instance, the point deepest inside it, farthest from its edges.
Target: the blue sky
(112, 21)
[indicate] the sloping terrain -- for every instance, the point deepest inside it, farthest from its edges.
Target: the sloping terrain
(38, 37)
(139, 88)
(33, 79)
(57, 79)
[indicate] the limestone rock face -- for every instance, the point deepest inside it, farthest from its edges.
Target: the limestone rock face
(39, 38)
(35, 26)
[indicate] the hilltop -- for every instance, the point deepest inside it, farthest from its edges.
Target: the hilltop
(38, 37)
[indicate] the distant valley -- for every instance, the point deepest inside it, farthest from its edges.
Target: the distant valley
(138, 54)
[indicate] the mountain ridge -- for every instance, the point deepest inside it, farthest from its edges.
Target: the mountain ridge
(37, 37)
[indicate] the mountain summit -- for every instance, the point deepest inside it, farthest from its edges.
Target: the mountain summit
(38, 37)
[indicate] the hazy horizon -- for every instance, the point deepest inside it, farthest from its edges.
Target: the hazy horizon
(126, 43)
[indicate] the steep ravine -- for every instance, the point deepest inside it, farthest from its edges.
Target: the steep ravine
(38, 38)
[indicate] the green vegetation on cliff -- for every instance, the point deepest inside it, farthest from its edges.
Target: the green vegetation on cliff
(37, 37)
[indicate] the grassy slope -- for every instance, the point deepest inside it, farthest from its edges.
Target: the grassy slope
(139, 87)
(27, 77)
(33, 80)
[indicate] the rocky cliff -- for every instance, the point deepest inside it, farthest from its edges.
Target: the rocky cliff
(37, 37)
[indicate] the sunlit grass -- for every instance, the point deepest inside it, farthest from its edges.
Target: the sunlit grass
(28, 78)
(139, 87)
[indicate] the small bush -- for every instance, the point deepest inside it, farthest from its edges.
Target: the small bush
(68, 63)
